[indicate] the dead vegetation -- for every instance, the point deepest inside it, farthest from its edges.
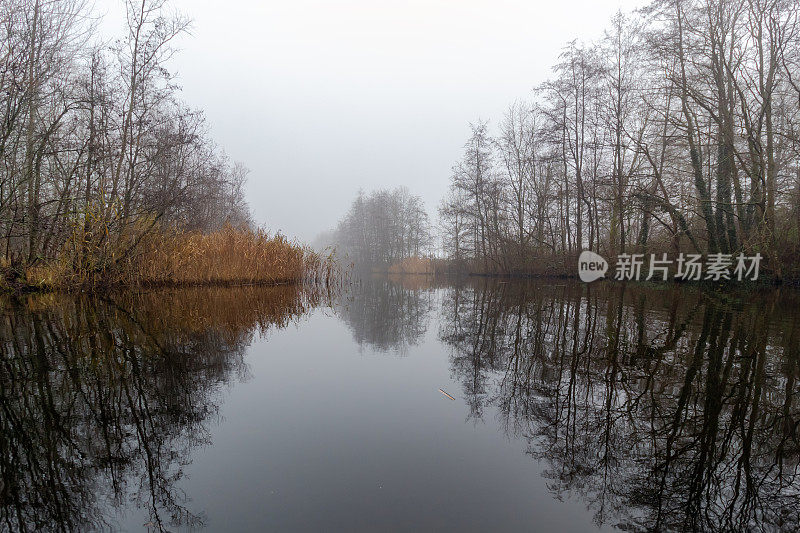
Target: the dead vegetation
(230, 256)
(413, 265)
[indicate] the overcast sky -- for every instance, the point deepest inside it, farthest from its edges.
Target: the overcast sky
(319, 98)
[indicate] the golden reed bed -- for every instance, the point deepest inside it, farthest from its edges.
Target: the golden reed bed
(230, 256)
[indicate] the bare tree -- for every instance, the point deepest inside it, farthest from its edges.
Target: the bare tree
(96, 148)
(677, 131)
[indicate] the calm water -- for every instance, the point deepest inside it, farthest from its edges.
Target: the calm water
(575, 408)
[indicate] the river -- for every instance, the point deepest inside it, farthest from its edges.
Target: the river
(401, 404)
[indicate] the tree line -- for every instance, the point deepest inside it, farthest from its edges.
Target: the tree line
(96, 147)
(382, 228)
(677, 131)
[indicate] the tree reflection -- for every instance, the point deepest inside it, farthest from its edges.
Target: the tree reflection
(388, 314)
(662, 409)
(101, 402)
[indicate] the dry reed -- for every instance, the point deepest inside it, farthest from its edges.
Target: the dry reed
(413, 265)
(230, 256)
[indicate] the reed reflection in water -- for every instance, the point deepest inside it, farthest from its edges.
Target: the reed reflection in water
(102, 401)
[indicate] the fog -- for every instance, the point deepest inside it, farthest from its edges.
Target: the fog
(321, 99)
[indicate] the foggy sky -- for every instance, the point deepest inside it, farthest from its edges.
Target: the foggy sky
(319, 99)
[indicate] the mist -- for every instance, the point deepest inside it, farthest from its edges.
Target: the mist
(320, 99)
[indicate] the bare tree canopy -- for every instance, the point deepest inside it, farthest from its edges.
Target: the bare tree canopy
(96, 148)
(675, 132)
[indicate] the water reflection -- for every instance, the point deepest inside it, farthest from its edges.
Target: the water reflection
(655, 408)
(388, 314)
(661, 409)
(103, 401)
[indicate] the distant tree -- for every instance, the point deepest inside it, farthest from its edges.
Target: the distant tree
(384, 228)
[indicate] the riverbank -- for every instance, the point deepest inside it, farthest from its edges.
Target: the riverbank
(566, 267)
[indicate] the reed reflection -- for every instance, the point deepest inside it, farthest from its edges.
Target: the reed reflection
(103, 401)
(662, 409)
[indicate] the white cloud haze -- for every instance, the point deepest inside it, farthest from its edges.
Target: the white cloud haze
(321, 98)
